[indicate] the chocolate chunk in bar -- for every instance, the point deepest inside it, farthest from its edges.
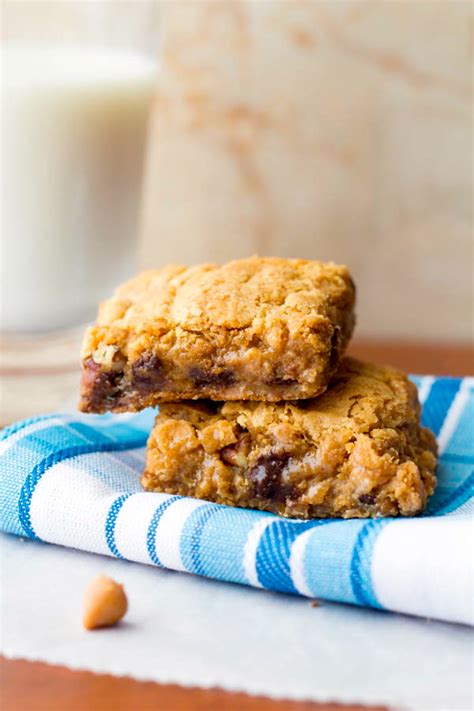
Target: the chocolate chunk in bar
(202, 377)
(266, 474)
(147, 373)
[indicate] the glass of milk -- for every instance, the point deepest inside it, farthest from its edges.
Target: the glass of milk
(73, 136)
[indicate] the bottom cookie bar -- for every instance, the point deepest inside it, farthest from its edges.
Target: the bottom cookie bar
(357, 451)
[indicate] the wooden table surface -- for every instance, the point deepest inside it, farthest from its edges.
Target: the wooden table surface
(27, 686)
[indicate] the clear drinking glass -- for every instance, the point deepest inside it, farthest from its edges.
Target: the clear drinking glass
(75, 103)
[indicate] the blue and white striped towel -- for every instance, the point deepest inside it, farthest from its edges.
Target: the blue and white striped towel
(73, 480)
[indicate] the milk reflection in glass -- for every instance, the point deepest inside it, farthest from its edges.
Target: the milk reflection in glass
(73, 136)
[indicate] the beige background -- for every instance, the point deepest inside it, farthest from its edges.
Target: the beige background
(131, 24)
(339, 130)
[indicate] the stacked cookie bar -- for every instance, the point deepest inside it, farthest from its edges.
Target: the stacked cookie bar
(257, 405)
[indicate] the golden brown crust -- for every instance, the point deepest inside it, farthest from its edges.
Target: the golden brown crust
(257, 329)
(356, 451)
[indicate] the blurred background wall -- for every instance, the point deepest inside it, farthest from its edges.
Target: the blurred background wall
(121, 24)
(333, 130)
(339, 130)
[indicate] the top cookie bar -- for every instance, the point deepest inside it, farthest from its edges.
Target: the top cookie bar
(253, 329)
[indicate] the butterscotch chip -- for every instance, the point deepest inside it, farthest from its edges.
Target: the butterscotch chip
(253, 329)
(356, 451)
(105, 603)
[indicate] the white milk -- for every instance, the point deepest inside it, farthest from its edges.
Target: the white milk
(73, 136)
